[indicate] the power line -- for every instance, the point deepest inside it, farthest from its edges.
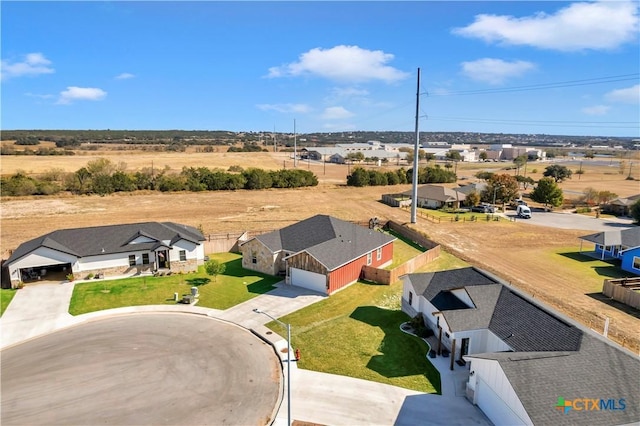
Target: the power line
(543, 86)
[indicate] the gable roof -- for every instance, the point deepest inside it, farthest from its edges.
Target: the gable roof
(438, 193)
(332, 241)
(629, 237)
(100, 240)
(552, 355)
(598, 370)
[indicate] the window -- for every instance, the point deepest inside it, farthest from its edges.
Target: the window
(379, 254)
(132, 260)
(254, 257)
(636, 262)
(411, 298)
(145, 258)
(369, 258)
(183, 255)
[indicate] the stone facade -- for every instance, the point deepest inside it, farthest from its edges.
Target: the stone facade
(257, 257)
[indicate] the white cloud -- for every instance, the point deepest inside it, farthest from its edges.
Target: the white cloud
(495, 71)
(341, 127)
(124, 76)
(336, 113)
(629, 95)
(74, 93)
(579, 26)
(596, 110)
(342, 63)
(33, 64)
(36, 95)
(349, 92)
(286, 108)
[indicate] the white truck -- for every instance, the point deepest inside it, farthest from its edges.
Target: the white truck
(523, 211)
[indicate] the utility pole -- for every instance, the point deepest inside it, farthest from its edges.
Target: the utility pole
(295, 145)
(416, 149)
(275, 144)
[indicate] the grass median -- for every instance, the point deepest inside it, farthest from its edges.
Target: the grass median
(235, 286)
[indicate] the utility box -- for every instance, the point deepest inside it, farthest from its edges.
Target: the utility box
(194, 291)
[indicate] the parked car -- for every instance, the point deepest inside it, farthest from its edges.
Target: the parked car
(483, 209)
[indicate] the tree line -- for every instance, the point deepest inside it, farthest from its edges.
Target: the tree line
(103, 177)
(362, 177)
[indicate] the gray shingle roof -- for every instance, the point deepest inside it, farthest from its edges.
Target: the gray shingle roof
(332, 241)
(553, 356)
(438, 193)
(527, 327)
(620, 237)
(99, 240)
(598, 370)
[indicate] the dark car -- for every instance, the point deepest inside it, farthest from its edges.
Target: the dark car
(483, 209)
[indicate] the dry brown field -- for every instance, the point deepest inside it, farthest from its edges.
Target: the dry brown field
(519, 253)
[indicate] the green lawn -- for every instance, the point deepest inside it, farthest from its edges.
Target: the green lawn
(356, 333)
(587, 273)
(235, 286)
(6, 295)
(403, 250)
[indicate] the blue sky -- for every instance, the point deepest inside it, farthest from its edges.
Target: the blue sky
(569, 68)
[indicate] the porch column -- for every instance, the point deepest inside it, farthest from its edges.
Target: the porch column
(453, 354)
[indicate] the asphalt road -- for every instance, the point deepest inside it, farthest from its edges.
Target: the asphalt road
(143, 369)
(571, 221)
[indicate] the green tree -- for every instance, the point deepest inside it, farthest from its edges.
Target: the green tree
(520, 161)
(257, 179)
(358, 177)
(525, 181)
(214, 268)
(483, 155)
(453, 155)
(606, 196)
(635, 211)
(557, 172)
(548, 193)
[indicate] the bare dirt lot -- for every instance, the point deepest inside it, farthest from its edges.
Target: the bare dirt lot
(519, 253)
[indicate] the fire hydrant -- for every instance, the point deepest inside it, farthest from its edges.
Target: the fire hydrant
(297, 354)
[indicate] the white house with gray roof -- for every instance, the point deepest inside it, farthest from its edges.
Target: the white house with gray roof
(522, 357)
(126, 249)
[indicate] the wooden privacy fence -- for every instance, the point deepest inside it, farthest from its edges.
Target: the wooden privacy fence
(389, 276)
(625, 290)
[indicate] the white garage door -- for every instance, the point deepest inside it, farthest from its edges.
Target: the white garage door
(310, 280)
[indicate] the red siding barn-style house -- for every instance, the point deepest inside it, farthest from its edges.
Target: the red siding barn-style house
(321, 253)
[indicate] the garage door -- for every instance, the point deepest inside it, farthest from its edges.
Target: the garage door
(310, 280)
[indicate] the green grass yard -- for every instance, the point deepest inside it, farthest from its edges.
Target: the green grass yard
(235, 286)
(356, 333)
(586, 271)
(6, 295)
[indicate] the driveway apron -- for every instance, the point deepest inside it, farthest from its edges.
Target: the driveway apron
(35, 310)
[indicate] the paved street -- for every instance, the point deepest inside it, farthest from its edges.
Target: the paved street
(572, 221)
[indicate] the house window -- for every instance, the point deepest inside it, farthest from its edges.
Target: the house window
(145, 258)
(183, 255)
(410, 298)
(607, 248)
(254, 258)
(132, 260)
(369, 257)
(379, 254)
(636, 262)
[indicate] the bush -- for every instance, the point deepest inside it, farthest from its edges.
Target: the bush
(419, 328)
